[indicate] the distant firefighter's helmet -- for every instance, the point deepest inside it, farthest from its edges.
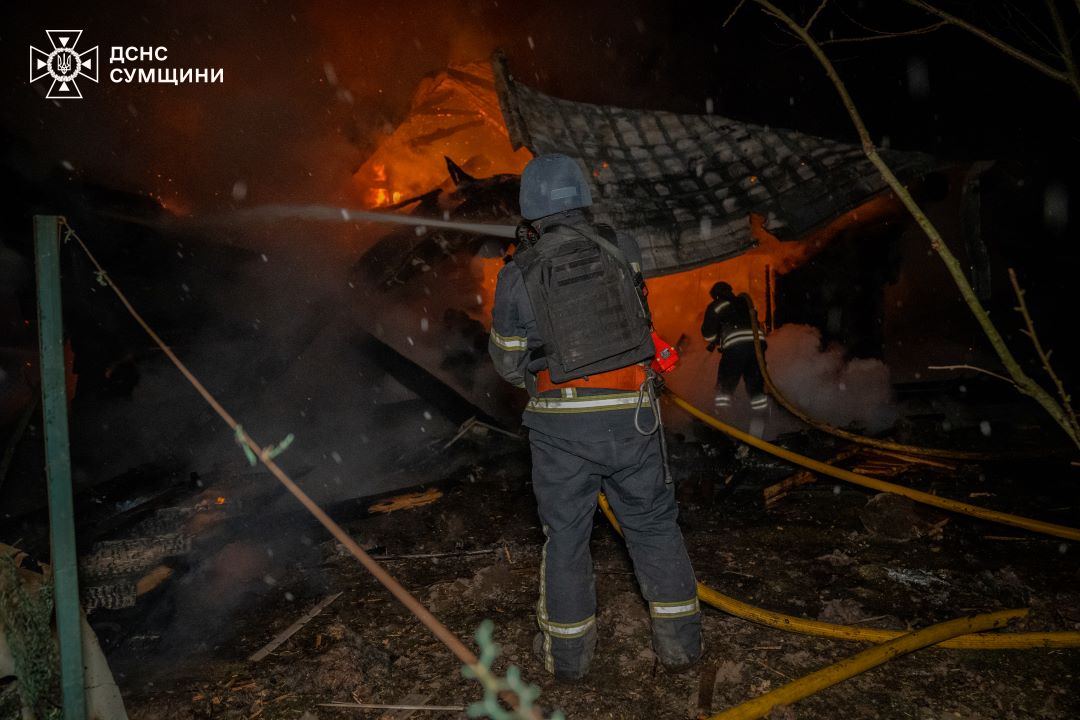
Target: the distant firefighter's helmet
(721, 290)
(552, 183)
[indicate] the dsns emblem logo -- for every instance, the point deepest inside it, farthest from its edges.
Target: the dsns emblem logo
(64, 64)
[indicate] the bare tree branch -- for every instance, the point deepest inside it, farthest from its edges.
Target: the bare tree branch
(1044, 355)
(997, 42)
(1066, 46)
(1021, 21)
(818, 12)
(739, 7)
(889, 35)
(1023, 382)
(977, 369)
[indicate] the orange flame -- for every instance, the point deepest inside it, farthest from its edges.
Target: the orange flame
(678, 300)
(454, 114)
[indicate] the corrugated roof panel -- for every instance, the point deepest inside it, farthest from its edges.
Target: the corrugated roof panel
(685, 185)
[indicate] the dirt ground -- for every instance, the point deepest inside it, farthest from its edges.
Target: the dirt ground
(824, 551)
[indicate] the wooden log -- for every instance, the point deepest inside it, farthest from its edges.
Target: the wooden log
(111, 558)
(109, 596)
(777, 491)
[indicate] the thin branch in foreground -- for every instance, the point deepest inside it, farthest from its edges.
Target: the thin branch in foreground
(984, 371)
(888, 36)
(739, 7)
(1066, 46)
(997, 42)
(814, 16)
(1044, 355)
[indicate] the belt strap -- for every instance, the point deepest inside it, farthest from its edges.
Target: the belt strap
(627, 378)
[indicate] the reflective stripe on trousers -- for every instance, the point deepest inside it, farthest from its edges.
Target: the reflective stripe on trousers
(677, 609)
(567, 476)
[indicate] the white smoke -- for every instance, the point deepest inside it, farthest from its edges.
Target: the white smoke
(850, 393)
(855, 393)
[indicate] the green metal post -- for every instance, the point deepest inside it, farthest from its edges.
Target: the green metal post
(58, 465)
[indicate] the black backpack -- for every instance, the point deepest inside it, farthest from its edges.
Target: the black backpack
(589, 303)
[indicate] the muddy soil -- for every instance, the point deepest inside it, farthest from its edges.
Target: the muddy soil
(824, 551)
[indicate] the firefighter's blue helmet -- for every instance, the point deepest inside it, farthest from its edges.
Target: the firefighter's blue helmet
(721, 290)
(550, 184)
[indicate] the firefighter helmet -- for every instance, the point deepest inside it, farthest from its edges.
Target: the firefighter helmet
(721, 290)
(552, 183)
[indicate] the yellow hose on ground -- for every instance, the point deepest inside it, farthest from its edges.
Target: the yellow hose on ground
(867, 659)
(1039, 526)
(790, 623)
(991, 641)
(847, 434)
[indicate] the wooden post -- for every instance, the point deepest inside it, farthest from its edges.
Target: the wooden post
(58, 465)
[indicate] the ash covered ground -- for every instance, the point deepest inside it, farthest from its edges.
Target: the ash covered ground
(824, 551)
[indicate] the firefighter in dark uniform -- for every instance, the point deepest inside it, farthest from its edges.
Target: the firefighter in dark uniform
(585, 438)
(727, 325)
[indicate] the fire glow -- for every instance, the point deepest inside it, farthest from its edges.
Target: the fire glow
(456, 115)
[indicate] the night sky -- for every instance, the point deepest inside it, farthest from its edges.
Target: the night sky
(278, 123)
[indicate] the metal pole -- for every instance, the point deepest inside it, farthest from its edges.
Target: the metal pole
(58, 465)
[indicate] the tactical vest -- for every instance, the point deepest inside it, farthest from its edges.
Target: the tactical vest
(589, 303)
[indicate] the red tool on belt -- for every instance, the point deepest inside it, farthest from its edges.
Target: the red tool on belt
(666, 355)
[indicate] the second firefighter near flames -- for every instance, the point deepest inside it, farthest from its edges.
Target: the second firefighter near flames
(571, 325)
(727, 327)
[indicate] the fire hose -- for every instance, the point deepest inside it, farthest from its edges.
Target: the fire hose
(1046, 528)
(817, 628)
(866, 660)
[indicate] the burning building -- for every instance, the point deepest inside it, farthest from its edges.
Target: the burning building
(708, 198)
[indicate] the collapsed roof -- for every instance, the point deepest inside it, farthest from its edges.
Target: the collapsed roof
(453, 114)
(685, 185)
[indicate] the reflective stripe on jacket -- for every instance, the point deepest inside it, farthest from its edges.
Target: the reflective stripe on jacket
(727, 322)
(514, 345)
